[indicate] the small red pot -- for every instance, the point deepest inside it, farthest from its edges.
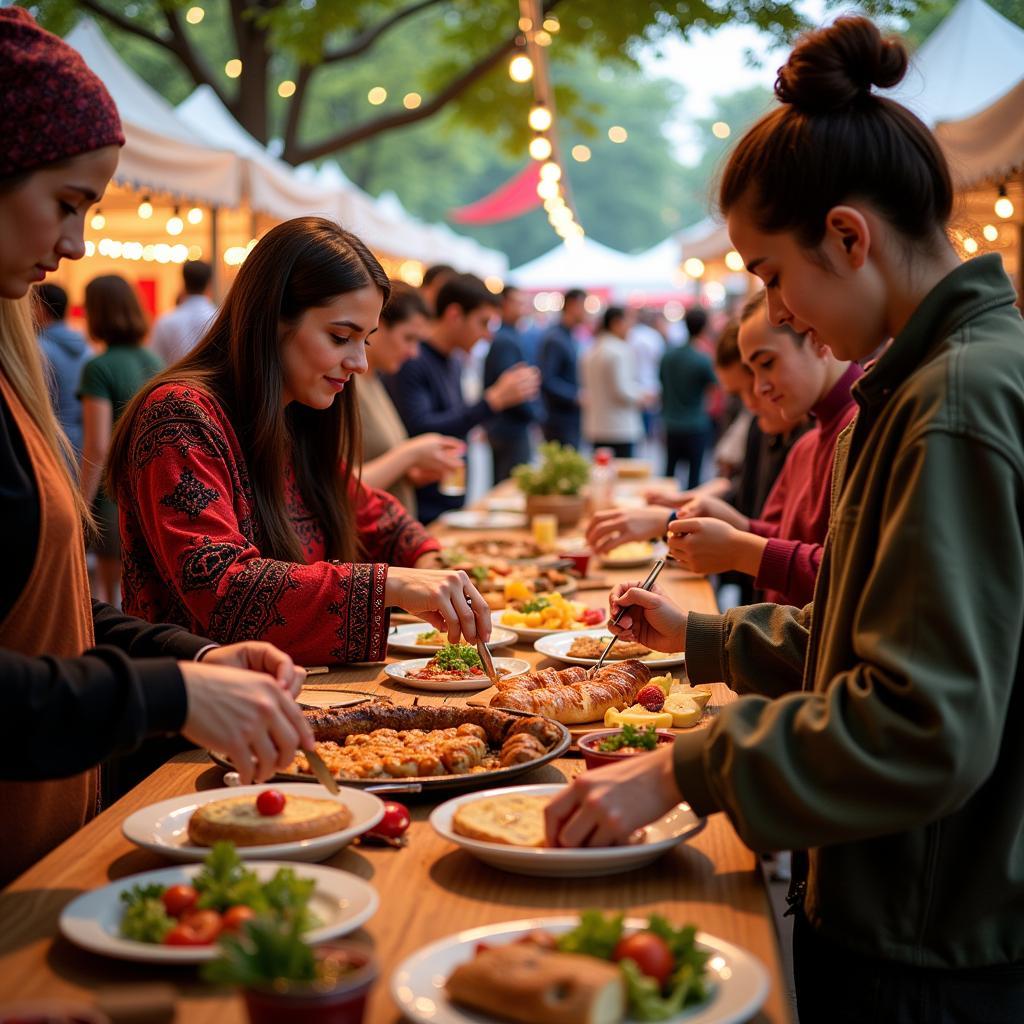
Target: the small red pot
(344, 1002)
(579, 559)
(595, 758)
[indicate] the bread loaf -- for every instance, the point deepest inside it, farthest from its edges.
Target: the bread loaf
(523, 982)
(511, 820)
(586, 700)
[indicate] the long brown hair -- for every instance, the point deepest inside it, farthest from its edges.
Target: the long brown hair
(298, 265)
(834, 140)
(112, 312)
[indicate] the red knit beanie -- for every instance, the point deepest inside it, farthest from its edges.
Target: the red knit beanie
(51, 105)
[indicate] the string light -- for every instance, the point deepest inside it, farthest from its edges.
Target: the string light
(547, 189)
(195, 15)
(991, 233)
(540, 118)
(550, 171)
(1003, 206)
(551, 24)
(581, 153)
(694, 267)
(525, 24)
(116, 250)
(175, 225)
(145, 210)
(520, 68)
(286, 89)
(734, 261)
(495, 285)
(617, 133)
(721, 130)
(542, 38)
(233, 68)
(540, 148)
(377, 95)
(98, 221)
(195, 215)
(412, 100)
(970, 246)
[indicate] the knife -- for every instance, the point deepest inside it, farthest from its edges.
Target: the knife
(321, 771)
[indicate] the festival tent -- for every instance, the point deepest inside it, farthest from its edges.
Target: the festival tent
(972, 58)
(583, 264)
(160, 152)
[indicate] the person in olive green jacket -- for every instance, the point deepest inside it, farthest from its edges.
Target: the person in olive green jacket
(881, 725)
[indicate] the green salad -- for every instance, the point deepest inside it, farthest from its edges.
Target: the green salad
(459, 657)
(663, 969)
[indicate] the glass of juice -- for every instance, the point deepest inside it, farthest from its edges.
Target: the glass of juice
(545, 530)
(453, 483)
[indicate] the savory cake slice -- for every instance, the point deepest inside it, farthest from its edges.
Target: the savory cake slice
(511, 820)
(238, 820)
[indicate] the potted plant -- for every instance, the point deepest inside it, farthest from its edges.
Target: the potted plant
(284, 978)
(556, 485)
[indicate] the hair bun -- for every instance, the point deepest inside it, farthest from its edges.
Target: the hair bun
(832, 68)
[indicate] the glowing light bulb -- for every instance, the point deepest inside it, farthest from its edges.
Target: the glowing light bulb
(694, 267)
(547, 189)
(581, 154)
(175, 225)
(377, 95)
(540, 118)
(733, 260)
(617, 133)
(98, 221)
(550, 172)
(195, 15)
(1004, 208)
(540, 148)
(286, 89)
(145, 210)
(721, 130)
(991, 233)
(233, 68)
(520, 69)
(412, 100)
(195, 215)
(970, 246)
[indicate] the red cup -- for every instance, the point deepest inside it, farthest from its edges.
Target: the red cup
(342, 1002)
(579, 559)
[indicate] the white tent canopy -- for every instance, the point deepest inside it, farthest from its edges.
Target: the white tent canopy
(972, 58)
(583, 264)
(160, 153)
(988, 145)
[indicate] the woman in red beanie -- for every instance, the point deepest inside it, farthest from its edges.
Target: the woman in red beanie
(72, 692)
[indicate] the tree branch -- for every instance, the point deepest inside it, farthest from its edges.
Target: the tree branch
(368, 36)
(301, 154)
(291, 127)
(126, 25)
(188, 56)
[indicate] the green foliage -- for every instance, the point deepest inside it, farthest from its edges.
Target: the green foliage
(562, 470)
(926, 18)
(145, 919)
(270, 950)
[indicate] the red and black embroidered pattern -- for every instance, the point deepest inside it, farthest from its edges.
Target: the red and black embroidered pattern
(306, 526)
(176, 419)
(203, 567)
(363, 618)
(190, 497)
(251, 605)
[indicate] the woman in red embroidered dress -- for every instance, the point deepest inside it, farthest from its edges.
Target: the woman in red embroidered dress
(241, 514)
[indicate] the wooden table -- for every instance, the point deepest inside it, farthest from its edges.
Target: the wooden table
(428, 889)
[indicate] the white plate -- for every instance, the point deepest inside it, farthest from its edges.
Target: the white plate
(679, 824)
(507, 503)
(473, 519)
(404, 638)
(739, 982)
(163, 827)
(558, 644)
(529, 635)
(341, 902)
(399, 669)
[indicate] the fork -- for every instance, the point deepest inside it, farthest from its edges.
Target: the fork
(646, 585)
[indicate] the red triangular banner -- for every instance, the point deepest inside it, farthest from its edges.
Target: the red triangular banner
(517, 196)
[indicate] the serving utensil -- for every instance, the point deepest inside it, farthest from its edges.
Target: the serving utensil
(487, 660)
(646, 585)
(321, 771)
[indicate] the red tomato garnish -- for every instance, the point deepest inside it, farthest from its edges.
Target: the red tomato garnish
(270, 802)
(196, 928)
(649, 952)
(392, 826)
(592, 616)
(235, 917)
(179, 898)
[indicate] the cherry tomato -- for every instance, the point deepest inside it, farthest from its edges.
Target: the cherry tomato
(592, 616)
(270, 802)
(179, 898)
(235, 917)
(649, 952)
(196, 928)
(394, 823)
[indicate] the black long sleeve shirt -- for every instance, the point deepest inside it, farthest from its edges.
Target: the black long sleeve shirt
(63, 715)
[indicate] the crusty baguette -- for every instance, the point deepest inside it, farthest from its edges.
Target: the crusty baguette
(543, 678)
(237, 820)
(587, 700)
(523, 982)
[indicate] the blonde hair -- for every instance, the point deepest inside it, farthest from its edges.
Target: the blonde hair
(22, 364)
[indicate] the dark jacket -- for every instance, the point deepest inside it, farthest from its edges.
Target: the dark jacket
(505, 351)
(559, 378)
(892, 750)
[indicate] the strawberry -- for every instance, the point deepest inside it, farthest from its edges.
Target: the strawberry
(651, 697)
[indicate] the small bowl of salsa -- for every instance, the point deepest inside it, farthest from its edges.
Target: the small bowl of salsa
(610, 746)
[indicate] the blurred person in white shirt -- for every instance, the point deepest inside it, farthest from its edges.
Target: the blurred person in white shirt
(176, 333)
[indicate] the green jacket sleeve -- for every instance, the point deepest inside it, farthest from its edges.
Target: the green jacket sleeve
(909, 731)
